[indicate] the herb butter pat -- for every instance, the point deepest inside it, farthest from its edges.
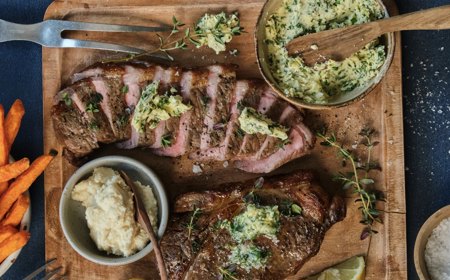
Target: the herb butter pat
(153, 108)
(254, 221)
(319, 83)
(217, 30)
(252, 122)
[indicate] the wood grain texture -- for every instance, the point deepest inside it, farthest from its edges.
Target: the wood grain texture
(382, 109)
(338, 44)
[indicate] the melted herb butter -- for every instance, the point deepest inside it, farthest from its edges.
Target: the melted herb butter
(217, 30)
(252, 122)
(317, 84)
(153, 108)
(249, 256)
(255, 221)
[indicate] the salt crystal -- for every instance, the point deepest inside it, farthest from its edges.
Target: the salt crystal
(196, 169)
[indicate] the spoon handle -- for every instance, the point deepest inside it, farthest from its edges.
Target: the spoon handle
(430, 19)
(144, 221)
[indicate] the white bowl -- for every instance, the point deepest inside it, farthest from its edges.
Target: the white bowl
(72, 213)
(24, 225)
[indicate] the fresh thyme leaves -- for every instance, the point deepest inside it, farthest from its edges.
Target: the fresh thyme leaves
(166, 140)
(192, 221)
(93, 125)
(368, 197)
(214, 31)
(66, 98)
(123, 119)
(284, 143)
(124, 89)
(290, 209)
(94, 102)
(227, 273)
(251, 197)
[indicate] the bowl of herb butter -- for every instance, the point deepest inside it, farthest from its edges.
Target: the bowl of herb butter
(329, 84)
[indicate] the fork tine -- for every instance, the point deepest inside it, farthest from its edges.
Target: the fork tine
(51, 273)
(87, 26)
(72, 43)
(39, 270)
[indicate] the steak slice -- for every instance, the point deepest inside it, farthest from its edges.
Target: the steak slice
(203, 249)
(252, 143)
(114, 105)
(221, 82)
(83, 93)
(72, 130)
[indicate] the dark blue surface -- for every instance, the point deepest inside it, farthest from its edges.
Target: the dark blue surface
(426, 79)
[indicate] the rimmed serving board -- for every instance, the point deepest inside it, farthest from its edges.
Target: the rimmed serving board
(382, 109)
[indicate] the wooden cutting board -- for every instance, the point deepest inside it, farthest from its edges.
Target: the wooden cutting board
(382, 109)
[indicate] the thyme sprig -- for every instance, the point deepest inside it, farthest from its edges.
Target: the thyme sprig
(191, 225)
(368, 197)
(215, 36)
(228, 273)
(166, 140)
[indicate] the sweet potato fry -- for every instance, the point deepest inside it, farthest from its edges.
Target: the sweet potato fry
(13, 243)
(15, 215)
(4, 154)
(3, 187)
(13, 120)
(6, 232)
(12, 170)
(23, 182)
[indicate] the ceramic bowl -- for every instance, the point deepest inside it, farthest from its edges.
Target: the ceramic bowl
(340, 100)
(422, 239)
(72, 213)
(25, 226)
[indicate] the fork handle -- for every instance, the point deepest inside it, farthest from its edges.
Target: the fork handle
(10, 31)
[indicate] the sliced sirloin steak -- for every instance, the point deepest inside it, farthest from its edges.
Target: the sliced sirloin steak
(201, 250)
(208, 131)
(219, 94)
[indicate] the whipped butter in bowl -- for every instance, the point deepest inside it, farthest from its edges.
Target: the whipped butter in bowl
(97, 210)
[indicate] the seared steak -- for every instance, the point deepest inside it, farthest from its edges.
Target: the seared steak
(196, 245)
(105, 97)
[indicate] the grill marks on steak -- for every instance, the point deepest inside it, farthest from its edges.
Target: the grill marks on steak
(201, 254)
(209, 131)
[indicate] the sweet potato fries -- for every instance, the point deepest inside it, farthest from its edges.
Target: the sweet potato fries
(15, 179)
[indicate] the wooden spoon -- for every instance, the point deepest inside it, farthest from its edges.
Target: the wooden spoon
(144, 221)
(340, 43)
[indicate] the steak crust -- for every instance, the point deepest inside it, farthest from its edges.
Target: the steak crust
(201, 252)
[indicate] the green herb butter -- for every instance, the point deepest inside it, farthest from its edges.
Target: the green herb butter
(249, 256)
(318, 83)
(153, 108)
(217, 30)
(252, 122)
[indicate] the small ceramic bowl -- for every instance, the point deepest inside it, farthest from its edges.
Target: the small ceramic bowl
(340, 100)
(72, 213)
(25, 226)
(422, 239)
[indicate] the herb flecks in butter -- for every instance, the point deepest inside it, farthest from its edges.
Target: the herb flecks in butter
(253, 222)
(153, 108)
(317, 84)
(249, 256)
(252, 122)
(215, 31)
